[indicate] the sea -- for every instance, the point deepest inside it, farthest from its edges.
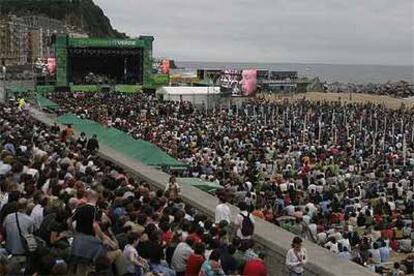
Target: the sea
(358, 74)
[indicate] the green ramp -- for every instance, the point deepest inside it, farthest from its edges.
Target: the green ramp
(45, 103)
(43, 89)
(140, 150)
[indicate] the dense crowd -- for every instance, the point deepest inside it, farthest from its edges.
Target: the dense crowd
(400, 89)
(65, 211)
(339, 175)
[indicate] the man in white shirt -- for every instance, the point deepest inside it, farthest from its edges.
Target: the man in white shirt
(222, 211)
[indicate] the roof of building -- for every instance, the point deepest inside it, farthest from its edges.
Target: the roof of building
(188, 90)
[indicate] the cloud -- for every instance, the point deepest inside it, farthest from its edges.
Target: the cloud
(323, 31)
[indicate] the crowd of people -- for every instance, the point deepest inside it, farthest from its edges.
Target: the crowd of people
(66, 211)
(400, 89)
(338, 175)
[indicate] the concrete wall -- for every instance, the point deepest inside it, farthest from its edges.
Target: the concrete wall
(274, 241)
(2, 92)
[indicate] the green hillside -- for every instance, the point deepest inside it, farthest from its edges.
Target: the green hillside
(84, 14)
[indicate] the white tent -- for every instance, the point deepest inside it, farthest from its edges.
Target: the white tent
(193, 94)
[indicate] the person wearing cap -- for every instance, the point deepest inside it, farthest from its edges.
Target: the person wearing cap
(296, 258)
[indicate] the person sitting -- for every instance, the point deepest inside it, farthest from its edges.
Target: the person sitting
(17, 225)
(89, 241)
(196, 260)
(212, 267)
(137, 266)
(384, 252)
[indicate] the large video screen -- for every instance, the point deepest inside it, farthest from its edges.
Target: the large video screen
(45, 66)
(161, 66)
(239, 82)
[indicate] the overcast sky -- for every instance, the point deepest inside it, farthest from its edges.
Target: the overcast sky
(301, 31)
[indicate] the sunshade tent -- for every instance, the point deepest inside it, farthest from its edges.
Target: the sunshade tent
(206, 186)
(140, 150)
(193, 94)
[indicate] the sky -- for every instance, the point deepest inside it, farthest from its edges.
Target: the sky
(272, 31)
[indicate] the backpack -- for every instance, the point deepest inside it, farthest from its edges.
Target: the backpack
(247, 226)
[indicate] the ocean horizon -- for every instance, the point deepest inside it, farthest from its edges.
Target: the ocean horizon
(347, 73)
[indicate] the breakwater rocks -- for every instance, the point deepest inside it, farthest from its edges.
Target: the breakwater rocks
(400, 89)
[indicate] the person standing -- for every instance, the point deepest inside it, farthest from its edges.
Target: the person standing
(296, 258)
(244, 222)
(93, 144)
(222, 211)
(67, 134)
(172, 189)
(82, 141)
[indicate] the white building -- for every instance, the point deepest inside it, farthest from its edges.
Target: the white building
(195, 95)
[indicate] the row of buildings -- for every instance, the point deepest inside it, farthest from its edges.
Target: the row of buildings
(25, 39)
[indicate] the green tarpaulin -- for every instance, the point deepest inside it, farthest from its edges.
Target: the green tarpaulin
(120, 88)
(42, 89)
(85, 88)
(46, 103)
(209, 187)
(17, 89)
(140, 150)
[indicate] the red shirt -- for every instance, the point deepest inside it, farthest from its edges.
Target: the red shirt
(194, 264)
(255, 267)
(194, 237)
(167, 236)
(387, 233)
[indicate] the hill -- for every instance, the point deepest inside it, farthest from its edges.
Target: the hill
(84, 14)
